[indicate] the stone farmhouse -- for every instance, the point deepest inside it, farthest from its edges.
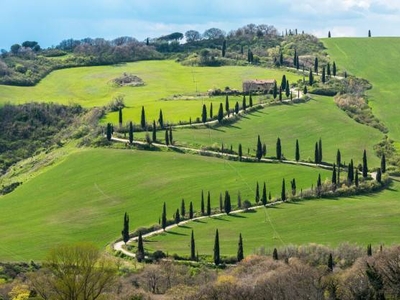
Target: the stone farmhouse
(258, 86)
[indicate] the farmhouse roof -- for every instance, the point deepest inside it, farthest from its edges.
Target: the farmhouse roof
(260, 81)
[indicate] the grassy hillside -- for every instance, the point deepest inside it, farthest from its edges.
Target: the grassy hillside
(374, 59)
(92, 86)
(361, 220)
(84, 197)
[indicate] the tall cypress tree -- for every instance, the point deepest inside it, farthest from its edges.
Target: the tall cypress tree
(316, 154)
(183, 208)
(237, 108)
(208, 204)
(240, 255)
(191, 213)
(338, 163)
(319, 185)
(350, 172)
(330, 262)
(217, 258)
(383, 163)
(293, 185)
(379, 175)
(109, 131)
(278, 149)
(166, 138)
(280, 94)
(356, 182)
(177, 216)
(316, 65)
(264, 195)
(204, 114)
(220, 113)
(295, 58)
(161, 119)
(250, 100)
(329, 34)
(320, 150)
(164, 217)
(171, 141)
(202, 203)
(264, 150)
(223, 48)
(323, 78)
(240, 152)
(328, 69)
(154, 131)
(283, 82)
(125, 230)
(310, 78)
(297, 152)
(287, 89)
(120, 117)
(259, 148)
(244, 105)
(365, 165)
(192, 247)
(239, 200)
(283, 192)
(298, 63)
(227, 105)
(257, 197)
(334, 69)
(275, 254)
(281, 59)
(140, 248)
(227, 203)
(130, 133)
(334, 180)
(143, 119)
(275, 90)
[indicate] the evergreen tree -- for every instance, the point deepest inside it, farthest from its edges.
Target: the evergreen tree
(192, 247)
(227, 203)
(125, 230)
(350, 172)
(227, 105)
(316, 65)
(202, 203)
(356, 182)
(257, 198)
(264, 195)
(177, 216)
(319, 185)
(259, 148)
(365, 165)
(204, 114)
(120, 117)
(130, 133)
(369, 250)
(280, 94)
(278, 149)
(264, 150)
(295, 58)
(250, 100)
(297, 152)
(109, 131)
(244, 105)
(275, 254)
(161, 119)
(369, 33)
(305, 90)
(183, 208)
(211, 110)
(328, 69)
(283, 82)
(323, 79)
(275, 91)
(379, 175)
(334, 69)
(166, 138)
(143, 119)
(240, 152)
(330, 262)
(171, 141)
(240, 249)
(237, 108)
(383, 163)
(281, 59)
(316, 154)
(220, 113)
(208, 204)
(287, 89)
(217, 258)
(329, 34)
(154, 131)
(164, 217)
(297, 62)
(140, 248)
(334, 180)
(283, 192)
(191, 214)
(223, 48)
(320, 150)
(310, 78)
(293, 185)
(338, 163)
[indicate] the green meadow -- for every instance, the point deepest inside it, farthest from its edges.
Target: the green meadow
(84, 197)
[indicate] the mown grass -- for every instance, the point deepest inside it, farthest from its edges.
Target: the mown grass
(84, 197)
(92, 86)
(358, 220)
(375, 60)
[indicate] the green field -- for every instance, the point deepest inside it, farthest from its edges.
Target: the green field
(84, 197)
(373, 59)
(359, 220)
(92, 86)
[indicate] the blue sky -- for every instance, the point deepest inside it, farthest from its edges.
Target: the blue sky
(50, 21)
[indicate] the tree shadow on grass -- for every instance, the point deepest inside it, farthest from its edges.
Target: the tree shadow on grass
(237, 215)
(199, 221)
(221, 219)
(176, 233)
(184, 226)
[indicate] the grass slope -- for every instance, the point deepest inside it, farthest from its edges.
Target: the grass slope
(361, 220)
(84, 197)
(92, 86)
(374, 59)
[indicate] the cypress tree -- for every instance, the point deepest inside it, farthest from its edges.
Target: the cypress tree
(223, 48)
(250, 100)
(365, 165)
(164, 217)
(143, 118)
(125, 230)
(383, 163)
(240, 152)
(240, 249)
(323, 79)
(120, 117)
(264, 150)
(297, 154)
(293, 184)
(237, 108)
(257, 198)
(295, 58)
(217, 258)
(334, 69)
(305, 90)
(280, 94)
(328, 69)
(227, 105)
(192, 247)
(227, 203)
(281, 58)
(204, 114)
(330, 262)
(183, 208)
(369, 33)
(316, 154)
(283, 192)
(244, 105)
(316, 65)
(140, 248)
(177, 216)
(259, 148)
(208, 204)
(211, 110)
(154, 131)
(338, 163)
(334, 180)
(191, 210)
(275, 91)
(319, 185)
(320, 150)
(283, 82)
(379, 175)
(287, 89)
(350, 172)
(369, 250)
(202, 203)
(275, 254)
(166, 138)
(109, 131)
(221, 204)
(161, 119)
(310, 78)
(130, 133)
(264, 195)
(298, 63)
(329, 34)
(220, 113)
(356, 182)
(278, 149)
(171, 141)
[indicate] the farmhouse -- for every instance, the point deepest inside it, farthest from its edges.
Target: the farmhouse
(263, 86)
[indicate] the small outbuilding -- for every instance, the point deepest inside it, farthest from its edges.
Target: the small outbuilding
(258, 86)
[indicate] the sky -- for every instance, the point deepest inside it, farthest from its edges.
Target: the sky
(49, 22)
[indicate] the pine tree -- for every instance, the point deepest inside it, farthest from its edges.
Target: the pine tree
(130, 133)
(275, 90)
(220, 113)
(140, 248)
(383, 163)
(109, 131)
(227, 203)
(328, 69)
(237, 108)
(295, 58)
(287, 89)
(316, 154)
(293, 185)
(183, 208)
(191, 210)
(319, 185)
(283, 192)
(365, 165)
(166, 138)
(217, 258)
(275, 254)
(316, 65)
(379, 175)
(334, 180)
(192, 247)
(240, 249)
(244, 105)
(227, 105)
(211, 110)
(350, 172)
(264, 195)
(120, 117)
(330, 262)
(323, 79)
(297, 152)
(320, 150)
(356, 182)
(164, 217)
(154, 138)
(204, 114)
(310, 78)
(283, 82)
(208, 204)
(223, 48)
(240, 152)
(257, 197)
(334, 69)
(177, 216)
(143, 119)
(278, 149)
(202, 203)
(259, 148)
(161, 119)
(125, 230)
(338, 163)
(250, 100)
(171, 141)
(298, 62)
